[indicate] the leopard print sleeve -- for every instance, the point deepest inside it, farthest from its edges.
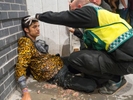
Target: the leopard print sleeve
(24, 56)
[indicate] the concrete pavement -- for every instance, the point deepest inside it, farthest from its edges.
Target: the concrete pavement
(45, 91)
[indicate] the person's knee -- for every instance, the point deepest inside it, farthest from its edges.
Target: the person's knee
(76, 56)
(87, 61)
(90, 89)
(83, 84)
(72, 56)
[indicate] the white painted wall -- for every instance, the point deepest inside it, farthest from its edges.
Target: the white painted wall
(56, 36)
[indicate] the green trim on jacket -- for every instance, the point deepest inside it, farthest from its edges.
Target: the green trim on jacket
(111, 33)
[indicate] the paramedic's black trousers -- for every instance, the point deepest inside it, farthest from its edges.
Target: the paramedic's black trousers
(99, 64)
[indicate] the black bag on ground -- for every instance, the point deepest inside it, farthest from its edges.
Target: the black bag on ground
(41, 46)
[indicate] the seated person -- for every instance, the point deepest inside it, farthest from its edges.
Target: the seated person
(33, 55)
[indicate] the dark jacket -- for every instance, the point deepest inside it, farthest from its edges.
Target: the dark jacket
(131, 4)
(105, 5)
(79, 18)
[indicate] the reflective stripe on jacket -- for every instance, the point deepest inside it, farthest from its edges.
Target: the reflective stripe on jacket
(111, 33)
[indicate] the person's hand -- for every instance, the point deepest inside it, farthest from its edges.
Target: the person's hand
(125, 8)
(71, 30)
(29, 19)
(26, 95)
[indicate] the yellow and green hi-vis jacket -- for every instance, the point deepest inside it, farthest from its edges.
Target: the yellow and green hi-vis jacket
(111, 33)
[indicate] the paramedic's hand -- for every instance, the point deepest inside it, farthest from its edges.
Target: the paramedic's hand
(29, 19)
(71, 30)
(26, 96)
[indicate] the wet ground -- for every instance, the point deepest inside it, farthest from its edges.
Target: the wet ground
(45, 91)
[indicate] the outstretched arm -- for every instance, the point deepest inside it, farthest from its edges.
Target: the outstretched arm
(24, 55)
(85, 17)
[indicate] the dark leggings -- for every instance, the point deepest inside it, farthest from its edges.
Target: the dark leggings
(68, 80)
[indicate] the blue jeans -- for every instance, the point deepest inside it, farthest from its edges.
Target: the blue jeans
(123, 13)
(131, 17)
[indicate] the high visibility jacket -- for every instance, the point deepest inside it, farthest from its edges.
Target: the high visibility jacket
(111, 33)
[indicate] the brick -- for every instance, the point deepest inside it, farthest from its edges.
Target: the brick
(8, 66)
(18, 1)
(14, 45)
(11, 70)
(15, 7)
(2, 43)
(10, 39)
(0, 6)
(4, 32)
(1, 89)
(12, 77)
(1, 73)
(4, 51)
(26, 13)
(0, 24)
(7, 23)
(19, 28)
(5, 6)
(13, 14)
(16, 22)
(2, 0)
(9, 80)
(23, 7)
(13, 30)
(2, 60)
(2, 97)
(11, 1)
(0, 33)
(15, 60)
(11, 55)
(20, 35)
(16, 50)
(3, 15)
(21, 14)
(13, 84)
(24, 1)
(3, 77)
(5, 93)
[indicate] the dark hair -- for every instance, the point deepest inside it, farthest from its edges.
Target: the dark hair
(26, 25)
(71, 1)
